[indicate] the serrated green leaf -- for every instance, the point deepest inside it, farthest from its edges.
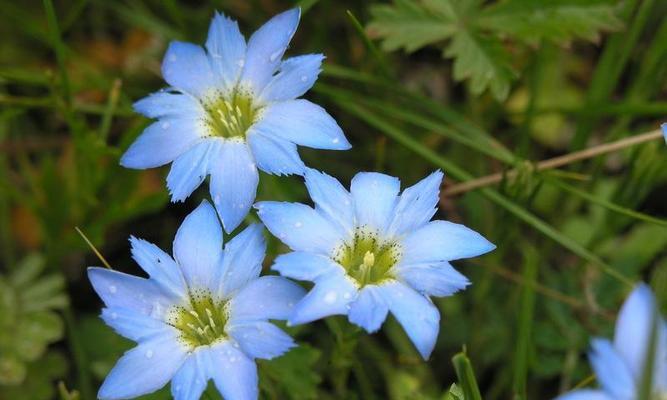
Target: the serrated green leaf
(558, 21)
(411, 25)
(482, 60)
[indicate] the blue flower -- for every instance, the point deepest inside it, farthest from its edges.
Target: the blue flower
(370, 251)
(201, 315)
(620, 365)
(231, 108)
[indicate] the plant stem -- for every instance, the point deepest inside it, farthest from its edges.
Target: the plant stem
(555, 162)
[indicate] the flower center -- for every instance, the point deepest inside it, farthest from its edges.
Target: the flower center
(367, 259)
(231, 115)
(202, 323)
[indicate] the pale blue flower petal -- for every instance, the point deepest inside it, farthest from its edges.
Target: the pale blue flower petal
(295, 77)
(132, 324)
(119, 290)
(305, 266)
(189, 170)
(146, 368)
(266, 48)
(267, 297)
(585, 394)
(443, 241)
(611, 371)
(416, 313)
(331, 199)
(234, 179)
(190, 381)
(162, 142)
(198, 247)
(242, 261)
(226, 49)
(167, 103)
(416, 205)
(160, 266)
(187, 68)
(369, 309)
(303, 123)
(299, 226)
(260, 339)
(434, 279)
(633, 328)
(235, 375)
(331, 296)
(275, 155)
(664, 131)
(374, 196)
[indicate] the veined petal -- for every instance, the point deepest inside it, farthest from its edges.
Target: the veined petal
(416, 205)
(144, 369)
(416, 313)
(235, 375)
(119, 290)
(295, 77)
(187, 68)
(162, 142)
(585, 394)
(433, 279)
(226, 48)
(633, 328)
(190, 169)
(266, 48)
(331, 296)
(234, 179)
(275, 155)
(374, 196)
(611, 371)
(133, 325)
(303, 123)
(369, 310)
(331, 199)
(198, 247)
(305, 266)
(443, 241)
(169, 104)
(159, 265)
(260, 339)
(190, 381)
(299, 226)
(267, 297)
(242, 261)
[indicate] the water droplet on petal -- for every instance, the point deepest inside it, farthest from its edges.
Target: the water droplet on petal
(335, 140)
(330, 297)
(347, 295)
(114, 315)
(240, 62)
(112, 289)
(165, 125)
(298, 224)
(172, 57)
(149, 353)
(304, 78)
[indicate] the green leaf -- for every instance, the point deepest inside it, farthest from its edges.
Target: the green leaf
(558, 21)
(481, 59)
(466, 376)
(291, 375)
(412, 25)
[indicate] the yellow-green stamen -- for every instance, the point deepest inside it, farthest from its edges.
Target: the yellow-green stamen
(367, 259)
(231, 115)
(202, 322)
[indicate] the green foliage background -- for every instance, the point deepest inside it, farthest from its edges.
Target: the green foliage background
(472, 87)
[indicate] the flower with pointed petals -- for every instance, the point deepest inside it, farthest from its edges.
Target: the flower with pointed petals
(370, 251)
(200, 315)
(233, 107)
(639, 346)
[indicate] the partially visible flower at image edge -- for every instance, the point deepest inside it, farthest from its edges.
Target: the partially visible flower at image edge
(370, 251)
(201, 315)
(620, 366)
(232, 107)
